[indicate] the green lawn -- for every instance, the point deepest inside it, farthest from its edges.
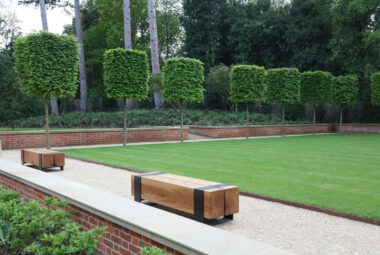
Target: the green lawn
(340, 172)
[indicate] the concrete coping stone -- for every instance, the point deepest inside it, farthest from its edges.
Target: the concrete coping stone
(258, 126)
(96, 130)
(177, 232)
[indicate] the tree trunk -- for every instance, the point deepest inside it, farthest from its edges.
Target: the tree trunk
(181, 109)
(47, 122)
(127, 25)
(247, 121)
(125, 123)
(53, 100)
(313, 119)
(283, 120)
(82, 65)
(341, 120)
(154, 49)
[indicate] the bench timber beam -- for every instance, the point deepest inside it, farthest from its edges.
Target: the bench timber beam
(204, 199)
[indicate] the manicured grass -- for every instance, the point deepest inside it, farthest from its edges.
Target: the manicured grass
(339, 172)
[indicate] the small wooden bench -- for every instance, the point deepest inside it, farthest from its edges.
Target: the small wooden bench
(203, 199)
(43, 158)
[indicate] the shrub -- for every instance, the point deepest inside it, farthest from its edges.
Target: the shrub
(316, 88)
(43, 230)
(47, 65)
(182, 80)
(283, 87)
(152, 251)
(247, 85)
(345, 91)
(126, 76)
(375, 87)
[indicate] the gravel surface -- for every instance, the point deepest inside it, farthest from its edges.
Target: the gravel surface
(292, 229)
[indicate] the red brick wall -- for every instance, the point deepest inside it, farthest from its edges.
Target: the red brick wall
(18, 140)
(117, 240)
(360, 128)
(240, 131)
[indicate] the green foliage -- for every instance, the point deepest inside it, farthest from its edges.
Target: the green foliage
(375, 86)
(43, 230)
(144, 118)
(217, 88)
(126, 74)
(247, 83)
(345, 90)
(47, 64)
(283, 85)
(316, 87)
(152, 251)
(182, 80)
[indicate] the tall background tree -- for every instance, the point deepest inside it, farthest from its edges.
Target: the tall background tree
(375, 88)
(154, 53)
(46, 71)
(126, 76)
(316, 88)
(247, 86)
(182, 80)
(283, 87)
(82, 64)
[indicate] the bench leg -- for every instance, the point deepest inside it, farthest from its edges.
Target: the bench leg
(229, 217)
(198, 205)
(22, 157)
(40, 162)
(61, 168)
(137, 188)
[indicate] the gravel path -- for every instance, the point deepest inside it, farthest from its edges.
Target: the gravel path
(292, 229)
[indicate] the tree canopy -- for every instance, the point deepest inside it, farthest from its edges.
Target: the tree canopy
(345, 90)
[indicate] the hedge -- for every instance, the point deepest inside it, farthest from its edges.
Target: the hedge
(345, 90)
(316, 87)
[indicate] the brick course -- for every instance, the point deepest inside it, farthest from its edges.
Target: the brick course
(36, 139)
(117, 239)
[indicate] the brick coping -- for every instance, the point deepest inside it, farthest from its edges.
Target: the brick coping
(274, 125)
(89, 130)
(174, 231)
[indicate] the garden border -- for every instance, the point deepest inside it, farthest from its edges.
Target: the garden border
(267, 198)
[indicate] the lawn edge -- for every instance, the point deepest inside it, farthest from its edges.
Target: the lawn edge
(331, 212)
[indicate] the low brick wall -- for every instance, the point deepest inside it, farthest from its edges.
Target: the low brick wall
(265, 130)
(117, 240)
(36, 139)
(360, 128)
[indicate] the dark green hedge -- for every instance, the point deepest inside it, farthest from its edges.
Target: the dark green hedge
(140, 118)
(183, 80)
(126, 74)
(47, 64)
(316, 87)
(283, 85)
(375, 87)
(247, 83)
(345, 90)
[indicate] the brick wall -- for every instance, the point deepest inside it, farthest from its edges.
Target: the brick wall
(35, 139)
(360, 128)
(268, 130)
(117, 240)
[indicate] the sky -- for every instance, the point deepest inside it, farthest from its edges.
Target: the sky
(30, 18)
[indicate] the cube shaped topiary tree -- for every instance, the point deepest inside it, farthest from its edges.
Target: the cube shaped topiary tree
(316, 88)
(47, 65)
(345, 92)
(247, 85)
(375, 89)
(182, 83)
(283, 87)
(126, 76)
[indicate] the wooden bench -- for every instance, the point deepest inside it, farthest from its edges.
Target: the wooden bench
(203, 199)
(43, 158)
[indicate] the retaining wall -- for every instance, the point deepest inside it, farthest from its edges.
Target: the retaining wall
(130, 225)
(36, 139)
